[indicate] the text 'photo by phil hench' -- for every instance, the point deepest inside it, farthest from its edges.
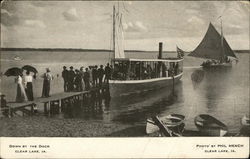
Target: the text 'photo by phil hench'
(124, 69)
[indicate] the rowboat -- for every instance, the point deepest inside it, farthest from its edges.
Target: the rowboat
(174, 122)
(210, 126)
(245, 121)
(245, 126)
(17, 58)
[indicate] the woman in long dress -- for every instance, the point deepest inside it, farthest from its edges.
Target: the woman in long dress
(28, 86)
(21, 95)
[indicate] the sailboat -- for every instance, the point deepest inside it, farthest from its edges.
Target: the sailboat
(215, 48)
(132, 75)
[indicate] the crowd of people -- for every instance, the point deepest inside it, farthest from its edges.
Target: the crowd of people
(76, 80)
(143, 70)
(85, 78)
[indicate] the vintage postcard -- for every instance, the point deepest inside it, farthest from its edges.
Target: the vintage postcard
(124, 79)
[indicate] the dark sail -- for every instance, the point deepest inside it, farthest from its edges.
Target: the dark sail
(211, 46)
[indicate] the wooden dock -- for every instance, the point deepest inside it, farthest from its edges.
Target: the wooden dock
(58, 102)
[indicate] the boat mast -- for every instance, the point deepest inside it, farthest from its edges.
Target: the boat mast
(222, 45)
(114, 30)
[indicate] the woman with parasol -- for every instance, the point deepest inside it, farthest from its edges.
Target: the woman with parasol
(15, 71)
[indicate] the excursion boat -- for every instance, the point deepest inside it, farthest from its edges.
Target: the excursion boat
(135, 75)
(215, 49)
(175, 122)
(210, 126)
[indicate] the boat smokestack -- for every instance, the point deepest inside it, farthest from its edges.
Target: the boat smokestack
(160, 50)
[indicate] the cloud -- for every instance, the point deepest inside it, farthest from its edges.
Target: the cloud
(71, 15)
(34, 23)
(195, 20)
(134, 27)
(43, 3)
(8, 19)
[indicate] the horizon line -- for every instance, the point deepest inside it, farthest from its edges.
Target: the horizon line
(81, 49)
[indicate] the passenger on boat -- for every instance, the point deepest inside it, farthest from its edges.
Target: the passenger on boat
(176, 69)
(71, 79)
(149, 71)
(65, 77)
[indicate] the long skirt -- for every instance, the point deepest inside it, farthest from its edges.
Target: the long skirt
(29, 91)
(46, 88)
(21, 95)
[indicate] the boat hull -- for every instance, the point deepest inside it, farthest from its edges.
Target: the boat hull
(122, 88)
(210, 126)
(212, 131)
(217, 65)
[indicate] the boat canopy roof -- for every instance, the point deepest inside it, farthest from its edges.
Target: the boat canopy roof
(149, 60)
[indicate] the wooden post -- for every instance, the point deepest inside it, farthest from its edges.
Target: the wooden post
(32, 109)
(45, 108)
(60, 105)
(10, 112)
(49, 108)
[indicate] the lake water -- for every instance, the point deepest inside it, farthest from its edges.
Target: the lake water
(223, 93)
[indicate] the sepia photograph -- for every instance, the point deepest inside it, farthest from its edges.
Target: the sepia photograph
(126, 70)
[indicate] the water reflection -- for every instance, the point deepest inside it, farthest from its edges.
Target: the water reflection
(131, 108)
(138, 107)
(197, 77)
(215, 86)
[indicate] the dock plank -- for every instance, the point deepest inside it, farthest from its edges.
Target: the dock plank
(53, 97)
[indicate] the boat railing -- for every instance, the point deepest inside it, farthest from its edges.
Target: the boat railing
(148, 70)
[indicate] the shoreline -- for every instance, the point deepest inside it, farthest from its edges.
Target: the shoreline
(42, 126)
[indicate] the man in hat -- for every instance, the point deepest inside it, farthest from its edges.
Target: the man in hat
(107, 73)
(65, 77)
(86, 79)
(101, 73)
(95, 75)
(47, 77)
(71, 77)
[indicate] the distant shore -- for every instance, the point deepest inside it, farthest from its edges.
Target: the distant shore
(91, 50)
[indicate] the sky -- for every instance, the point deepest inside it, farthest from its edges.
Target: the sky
(88, 24)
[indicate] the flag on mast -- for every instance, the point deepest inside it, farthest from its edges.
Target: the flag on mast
(180, 52)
